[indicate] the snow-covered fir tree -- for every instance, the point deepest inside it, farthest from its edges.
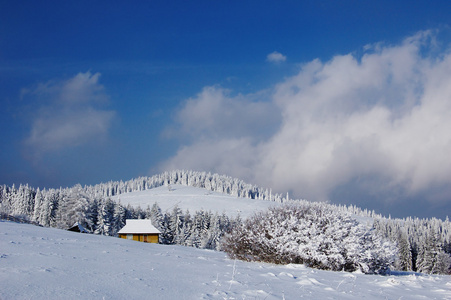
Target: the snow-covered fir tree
(119, 217)
(156, 217)
(105, 222)
(404, 261)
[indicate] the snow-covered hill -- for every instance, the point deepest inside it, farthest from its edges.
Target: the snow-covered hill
(46, 263)
(194, 199)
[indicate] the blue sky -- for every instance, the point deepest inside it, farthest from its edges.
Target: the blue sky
(340, 101)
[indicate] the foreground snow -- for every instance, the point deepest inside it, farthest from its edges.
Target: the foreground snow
(46, 263)
(194, 199)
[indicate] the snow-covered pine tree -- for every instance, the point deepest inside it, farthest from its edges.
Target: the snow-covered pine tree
(176, 225)
(186, 230)
(45, 211)
(427, 256)
(156, 217)
(213, 234)
(197, 229)
(119, 217)
(38, 202)
(73, 208)
(167, 236)
(404, 261)
(105, 223)
(442, 264)
(21, 201)
(92, 215)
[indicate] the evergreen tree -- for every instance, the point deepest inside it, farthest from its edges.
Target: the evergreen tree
(176, 225)
(119, 217)
(213, 234)
(186, 229)
(404, 262)
(167, 236)
(156, 217)
(73, 208)
(105, 223)
(45, 212)
(442, 264)
(54, 200)
(130, 212)
(92, 217)
(197, 229)
(427, 256)
(38, 203)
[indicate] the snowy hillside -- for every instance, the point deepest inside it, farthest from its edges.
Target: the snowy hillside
(194, 199)
(47, 263)
(424, 245)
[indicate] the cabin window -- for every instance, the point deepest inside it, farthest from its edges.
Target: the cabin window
(129, 236)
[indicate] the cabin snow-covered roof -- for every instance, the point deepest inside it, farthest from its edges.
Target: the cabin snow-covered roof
(77, 227)
(138, 227)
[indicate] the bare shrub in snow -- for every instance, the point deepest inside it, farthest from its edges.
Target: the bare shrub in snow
(312, 234)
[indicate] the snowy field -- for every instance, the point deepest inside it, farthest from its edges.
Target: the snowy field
(47, 263)
(194, 199)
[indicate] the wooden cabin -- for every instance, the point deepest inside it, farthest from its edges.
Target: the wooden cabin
(139, 230)
(78, 228)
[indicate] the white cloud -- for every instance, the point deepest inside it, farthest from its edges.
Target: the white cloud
(214, 113)
(276, 57)
(69, 114)
(224, 156)
(381, 121)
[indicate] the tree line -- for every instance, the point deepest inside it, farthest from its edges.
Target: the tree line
(423, 245)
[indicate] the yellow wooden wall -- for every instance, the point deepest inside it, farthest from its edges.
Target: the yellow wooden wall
(151, 238)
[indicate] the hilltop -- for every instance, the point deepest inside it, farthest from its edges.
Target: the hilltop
(193, 199)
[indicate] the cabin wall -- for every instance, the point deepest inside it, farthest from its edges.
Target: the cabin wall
(146, 238)
(153, 238)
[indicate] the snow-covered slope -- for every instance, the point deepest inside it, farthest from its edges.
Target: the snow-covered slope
(46, 263)
(193, 198)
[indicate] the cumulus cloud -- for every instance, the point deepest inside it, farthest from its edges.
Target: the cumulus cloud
(215, 114)
(379, 123)
(276, 57)
(69, 114)
(224, 156)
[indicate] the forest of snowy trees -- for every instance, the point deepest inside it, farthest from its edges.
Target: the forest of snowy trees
(423, 245)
